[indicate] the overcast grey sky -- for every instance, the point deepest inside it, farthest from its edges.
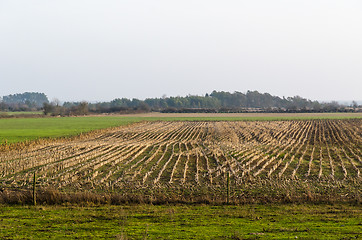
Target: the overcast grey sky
(100, 50)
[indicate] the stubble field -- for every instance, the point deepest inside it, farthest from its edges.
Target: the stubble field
(190, 161)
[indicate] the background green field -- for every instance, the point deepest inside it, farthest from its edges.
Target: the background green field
(21, 129)
(23, 113)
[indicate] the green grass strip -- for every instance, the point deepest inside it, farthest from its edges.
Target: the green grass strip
(182, 222)
(22, 129)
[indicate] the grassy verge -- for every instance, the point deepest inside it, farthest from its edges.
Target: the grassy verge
(181, 222)
(270, 190)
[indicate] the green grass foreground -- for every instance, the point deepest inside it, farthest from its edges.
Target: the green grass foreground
(14, 130)
(181, 222)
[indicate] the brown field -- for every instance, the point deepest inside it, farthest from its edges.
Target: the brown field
(189, 161)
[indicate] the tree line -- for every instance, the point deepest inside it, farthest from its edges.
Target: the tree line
(28, 101)
(217, 101)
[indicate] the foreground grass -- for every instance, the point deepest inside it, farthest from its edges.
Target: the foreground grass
(26, 129)
(182, 222)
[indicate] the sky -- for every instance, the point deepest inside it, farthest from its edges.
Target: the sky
(97, 50)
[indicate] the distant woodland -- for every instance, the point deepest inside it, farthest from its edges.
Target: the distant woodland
(251, 101)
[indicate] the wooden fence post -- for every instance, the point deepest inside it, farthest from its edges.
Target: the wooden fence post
(34, 189)
(227, 187)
